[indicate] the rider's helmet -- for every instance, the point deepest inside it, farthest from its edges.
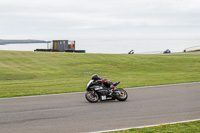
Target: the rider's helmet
(95, 77)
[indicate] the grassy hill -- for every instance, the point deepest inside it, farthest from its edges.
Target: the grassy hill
(197, 50)
(36, 73)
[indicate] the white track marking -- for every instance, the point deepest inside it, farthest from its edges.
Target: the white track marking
(84, 92)
(113, 130)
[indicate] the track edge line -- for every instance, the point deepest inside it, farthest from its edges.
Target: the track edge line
(121, 129)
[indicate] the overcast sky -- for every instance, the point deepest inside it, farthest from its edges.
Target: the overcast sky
(99, 19)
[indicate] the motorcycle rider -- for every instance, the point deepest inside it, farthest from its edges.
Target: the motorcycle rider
(106, 82)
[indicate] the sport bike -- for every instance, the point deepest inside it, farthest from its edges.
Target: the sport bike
(96, 92)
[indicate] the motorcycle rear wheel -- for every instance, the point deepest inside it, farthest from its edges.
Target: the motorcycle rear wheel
(92, 98)
(121, 97)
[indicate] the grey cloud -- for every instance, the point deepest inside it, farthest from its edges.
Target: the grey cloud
(99, 16)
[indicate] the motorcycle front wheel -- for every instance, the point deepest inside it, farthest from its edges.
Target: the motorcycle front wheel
(121, 94)
(92, 97)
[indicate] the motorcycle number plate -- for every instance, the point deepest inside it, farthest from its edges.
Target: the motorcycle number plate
(103, 97)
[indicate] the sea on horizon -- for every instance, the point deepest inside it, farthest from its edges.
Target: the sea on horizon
(117, 46)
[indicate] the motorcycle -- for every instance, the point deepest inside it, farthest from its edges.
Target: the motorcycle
(96, 92)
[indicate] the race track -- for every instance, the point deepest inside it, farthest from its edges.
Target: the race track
(71, 113)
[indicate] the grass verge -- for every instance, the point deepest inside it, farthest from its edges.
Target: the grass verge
(39, 73)
(186, 127)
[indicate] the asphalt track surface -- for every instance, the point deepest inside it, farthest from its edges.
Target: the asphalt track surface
(71, 113)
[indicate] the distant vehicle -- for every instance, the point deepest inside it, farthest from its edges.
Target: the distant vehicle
(167, 51)
(131, 52)
(96, 92)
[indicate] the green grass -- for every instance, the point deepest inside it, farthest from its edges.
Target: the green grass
(187, 127)
(197, 50)
(37, 73)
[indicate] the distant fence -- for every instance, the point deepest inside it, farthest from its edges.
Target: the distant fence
(192, 48)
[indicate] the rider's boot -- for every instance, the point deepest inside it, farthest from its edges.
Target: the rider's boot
(111, 89)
